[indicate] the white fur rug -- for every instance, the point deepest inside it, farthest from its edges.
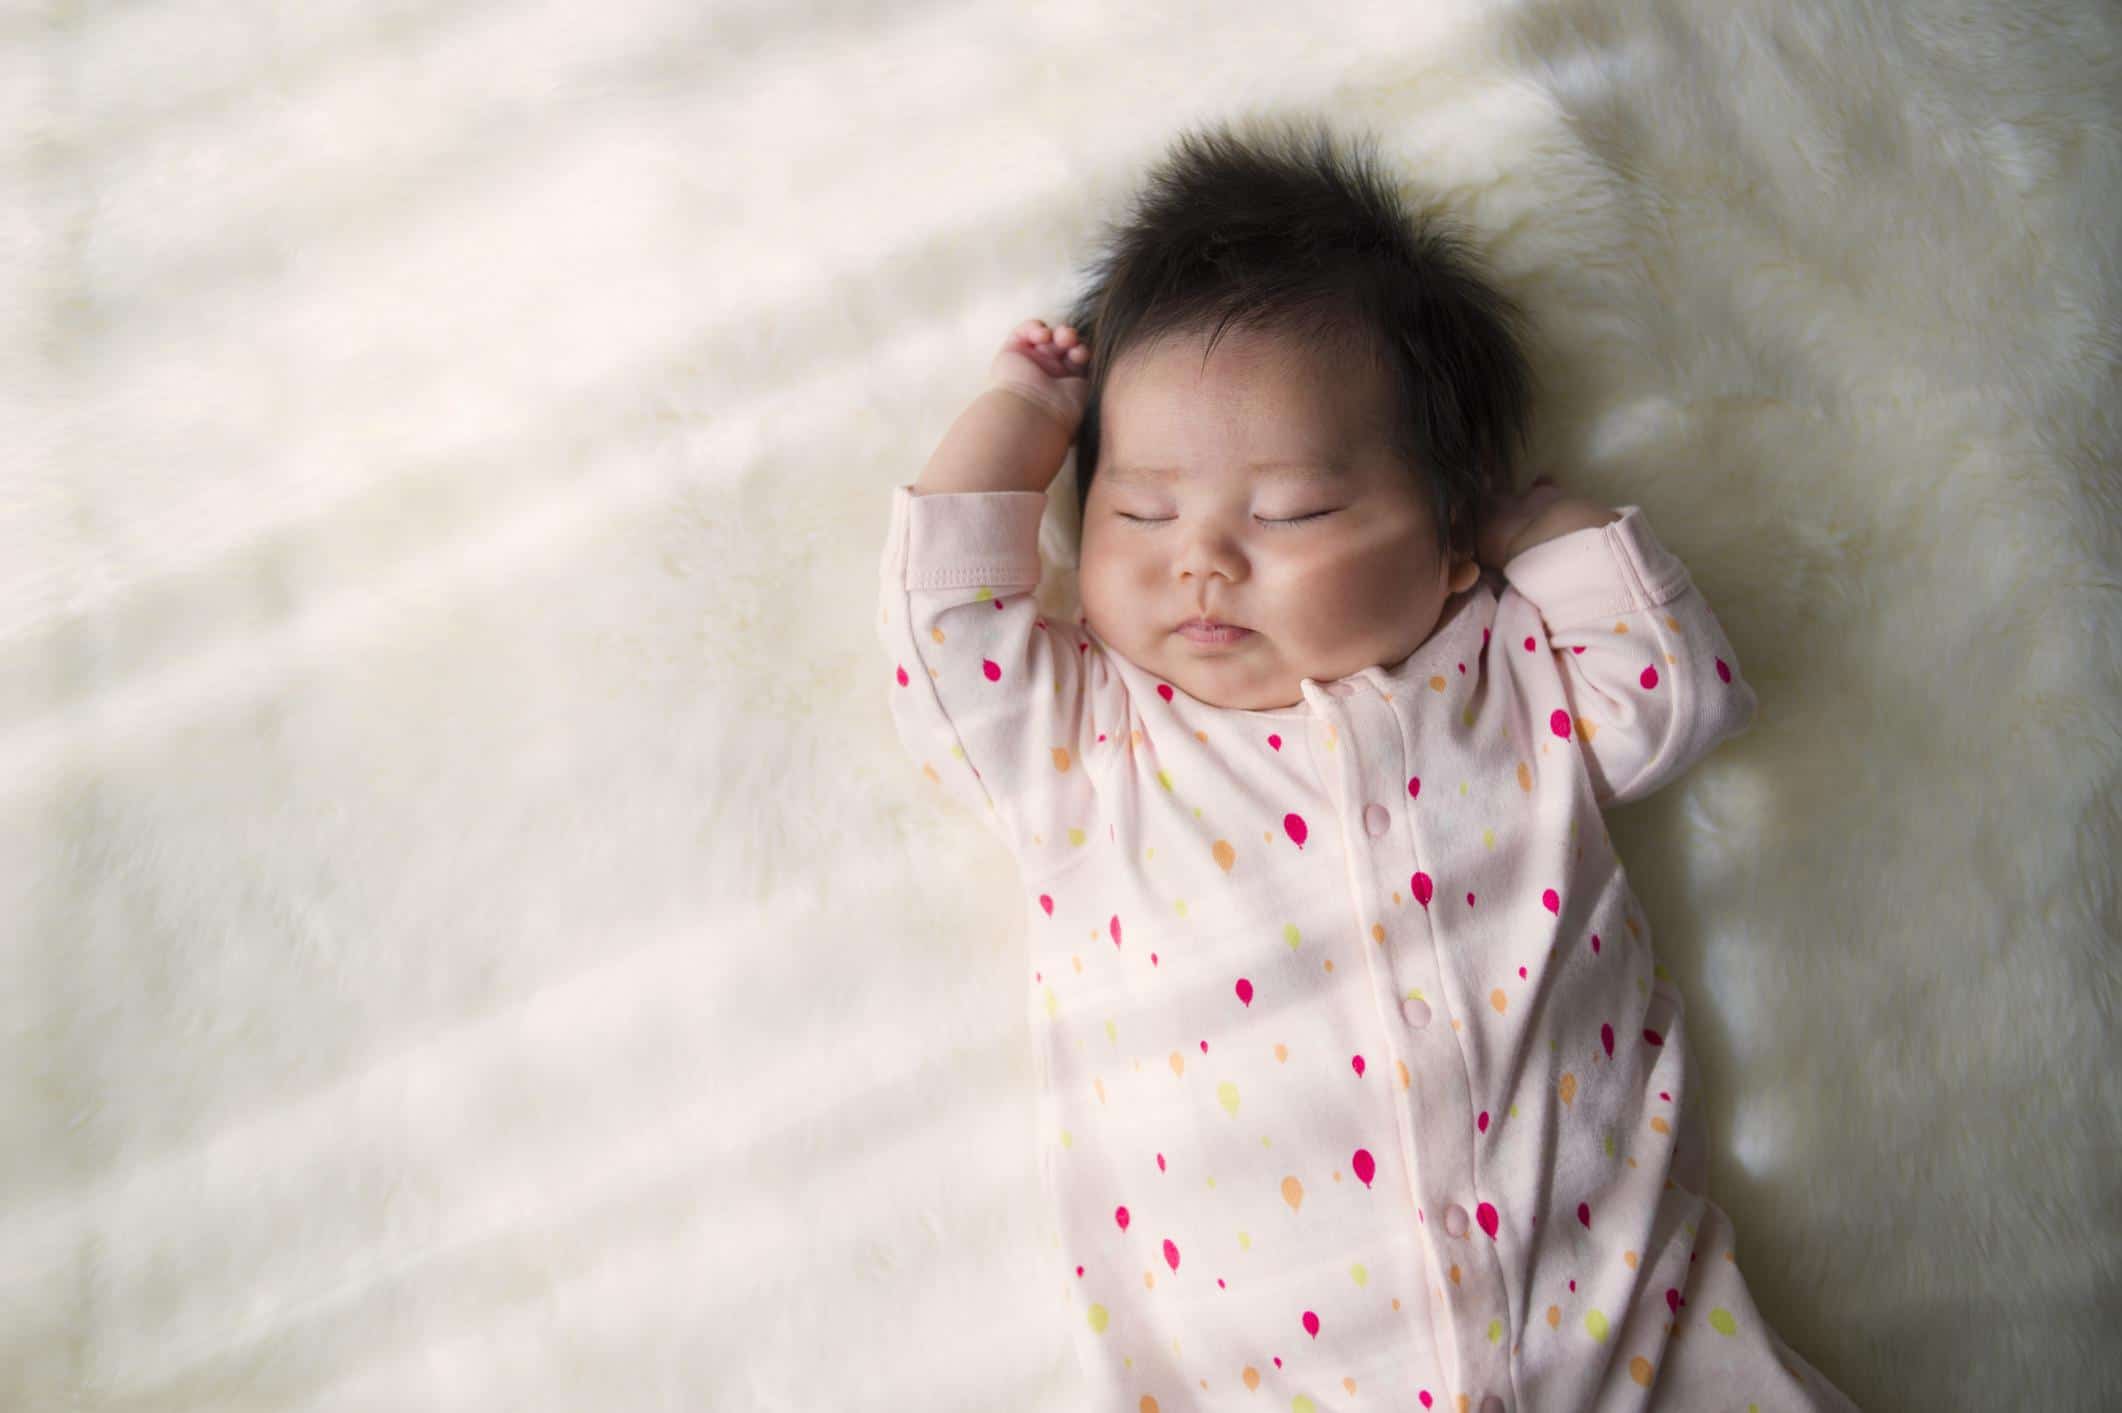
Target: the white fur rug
(471, 938)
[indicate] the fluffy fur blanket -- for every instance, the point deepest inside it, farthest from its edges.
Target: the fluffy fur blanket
(471, 937)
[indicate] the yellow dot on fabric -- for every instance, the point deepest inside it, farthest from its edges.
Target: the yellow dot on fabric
(1500, 1001)
(1641, 1370)
(1301, 1404)
(1180, 907)
(984, 595)
(1211, 1182)
(1224, 854)
(1197, 811)
(1414, 993)
(1609, 1144)
(1061, 759)
(1495, 1331)
(1098, 1319)
(1164, 780)
(1245, 1241)
(1053, 1003)
(1148, 854)
(1721, 1321)
(1488, 838)
(957, 753)
(1595, 1324)
(1227, 1096)
(1462, 787)
(1658, 970)
(1112, 1032)
(1291, 935)
(1068, 1140)
(1467, 716)
(1075, 838)
(1358, 1274)
(1512, 1111)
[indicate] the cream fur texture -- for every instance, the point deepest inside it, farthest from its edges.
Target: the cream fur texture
(471, 938)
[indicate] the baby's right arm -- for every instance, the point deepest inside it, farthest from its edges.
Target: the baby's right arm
(997, 705)
(1015, 434)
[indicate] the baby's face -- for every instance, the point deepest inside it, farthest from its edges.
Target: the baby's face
(1360, 586)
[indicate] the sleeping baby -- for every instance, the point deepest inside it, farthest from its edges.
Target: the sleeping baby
(1360, 1085)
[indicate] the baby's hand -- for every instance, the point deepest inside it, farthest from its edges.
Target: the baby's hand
(1504, 518)
(1048, 366)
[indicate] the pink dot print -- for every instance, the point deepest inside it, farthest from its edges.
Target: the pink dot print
(1046, 901)
(1423, 888)
(1356, 1063)
(1311, 1324)
(1649, 678)
(1584, 1214)
(1559, 723)
(1606, 1038)
(1120, 1216)
(1651, 1037)
(1275, 741)
(1293, 825)
(992, 669)
(1366, 1167)
(902, 676)
(1164, 691)
(1414, 787)
(1485, 1214)
(1551, 900)
(1245, 991)
(1528, 643)
(1171, 1253)
(1723, 670)
(1114, 928)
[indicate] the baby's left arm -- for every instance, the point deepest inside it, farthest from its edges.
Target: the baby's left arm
(1650, 682)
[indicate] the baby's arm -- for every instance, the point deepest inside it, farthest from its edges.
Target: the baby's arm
(996, 703)
(1650, 682)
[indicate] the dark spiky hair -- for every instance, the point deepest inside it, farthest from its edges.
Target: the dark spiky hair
(1285, 236)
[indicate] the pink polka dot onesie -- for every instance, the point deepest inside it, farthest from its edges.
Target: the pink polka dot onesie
(1360, 1088)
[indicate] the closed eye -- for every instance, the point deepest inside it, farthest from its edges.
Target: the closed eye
(1295, 520)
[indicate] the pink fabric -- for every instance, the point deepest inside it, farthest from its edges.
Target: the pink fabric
(1360, 1083)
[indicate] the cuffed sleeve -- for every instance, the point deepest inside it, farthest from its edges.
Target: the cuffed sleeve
(1651, 682)
(997, 705)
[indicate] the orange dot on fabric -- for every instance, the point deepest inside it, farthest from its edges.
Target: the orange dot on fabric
(1525, 777)
(1554, 1317)
(1225, 855)
(1348, 1386)
(1436, 684)
(1640, 1370)
(1178, 1063)
(1500, 1001)
(1660, 1126)
(1568, 1086)
(1293, 1193)
(1149, 1405)
(1377, 932)
(1251, 1377)
(1061, 759)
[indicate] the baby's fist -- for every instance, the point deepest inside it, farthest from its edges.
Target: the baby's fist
(1049, 366)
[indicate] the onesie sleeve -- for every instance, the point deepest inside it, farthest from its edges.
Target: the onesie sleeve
(999, 705)
(1651, 682)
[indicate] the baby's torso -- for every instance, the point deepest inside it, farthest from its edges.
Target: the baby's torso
(1325, 977)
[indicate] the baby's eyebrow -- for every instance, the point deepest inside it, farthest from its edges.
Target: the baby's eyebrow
(1286, 470)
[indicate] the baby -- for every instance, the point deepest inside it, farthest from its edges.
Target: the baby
(1360, 1085)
